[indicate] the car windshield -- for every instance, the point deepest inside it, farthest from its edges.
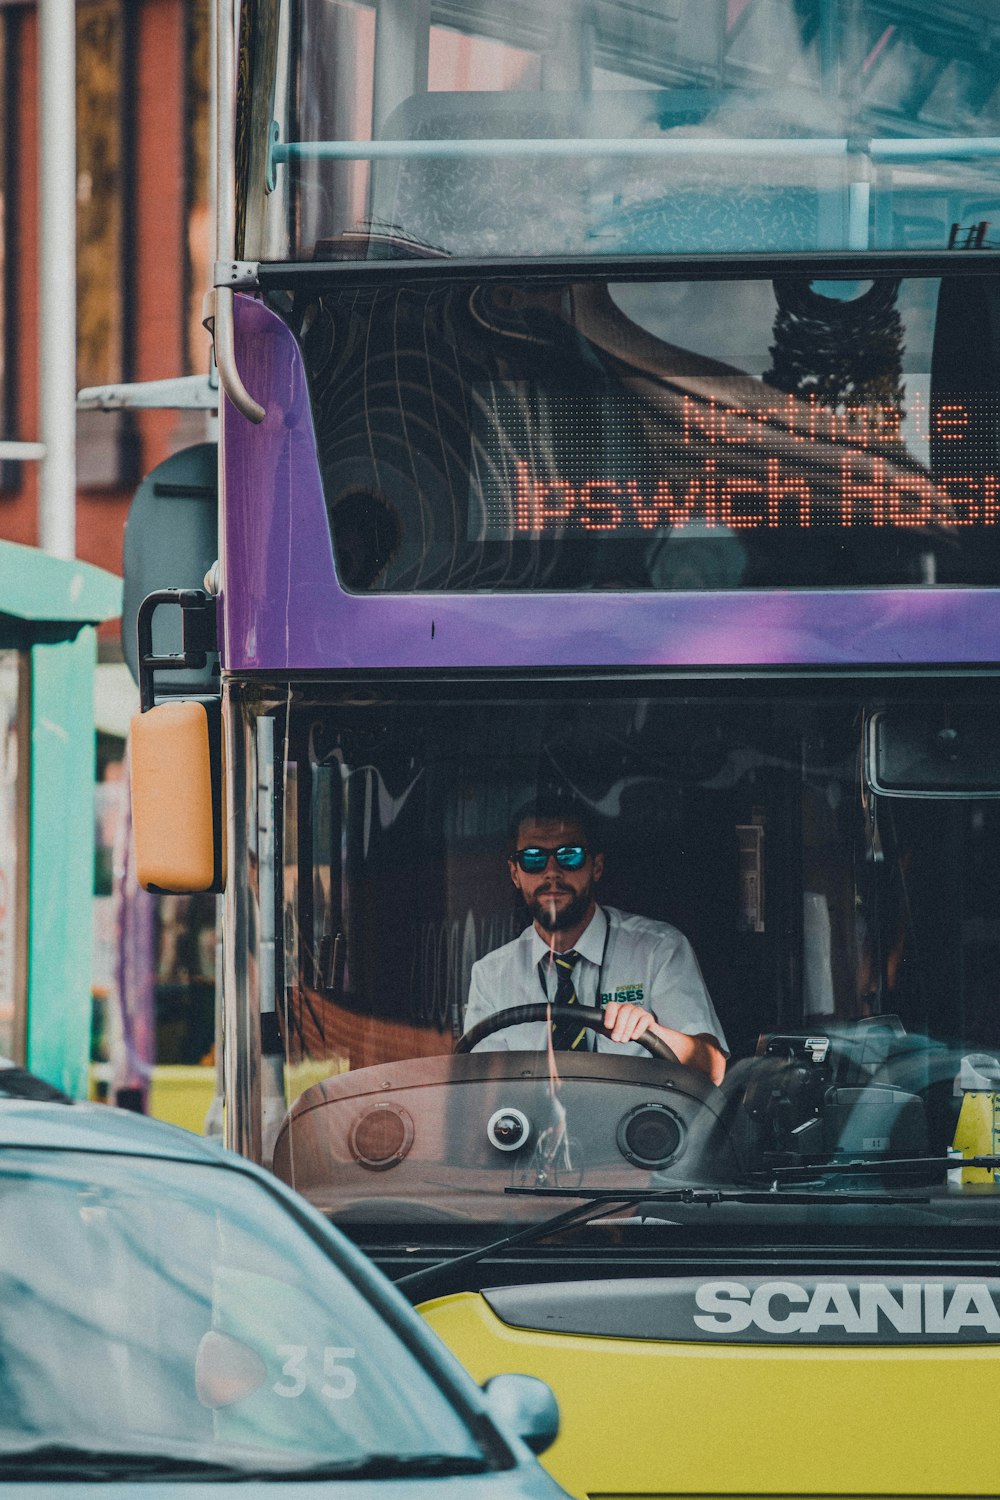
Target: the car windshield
(160, 1314)
(806, 877)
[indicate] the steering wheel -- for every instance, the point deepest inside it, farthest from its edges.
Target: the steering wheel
(538, 1010)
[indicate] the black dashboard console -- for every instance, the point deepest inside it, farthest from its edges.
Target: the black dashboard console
(828, 1097)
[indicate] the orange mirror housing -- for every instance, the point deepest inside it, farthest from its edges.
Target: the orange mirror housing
(177, 801)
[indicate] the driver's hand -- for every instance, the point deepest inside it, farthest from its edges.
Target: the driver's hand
(626, 1023)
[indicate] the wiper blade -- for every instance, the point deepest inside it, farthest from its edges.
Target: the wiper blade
(384, 1466)
(709, 1196)
(888, 1167)
(599, 1203)
(68, 1461)
(417, 1283)
(71, 1461)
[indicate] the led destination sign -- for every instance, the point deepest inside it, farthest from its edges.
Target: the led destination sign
(756, 461)
(665, 435)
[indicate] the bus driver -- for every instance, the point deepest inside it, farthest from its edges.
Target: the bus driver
(643, 974)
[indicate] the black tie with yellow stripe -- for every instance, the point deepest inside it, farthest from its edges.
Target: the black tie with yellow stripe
(566, 1035)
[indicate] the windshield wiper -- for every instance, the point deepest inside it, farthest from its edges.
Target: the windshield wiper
(67, 1461)
(418, 1281)
(888, 1166)
(384, 1466)
(599, 1203)
(70, 1461)
(708, 1196)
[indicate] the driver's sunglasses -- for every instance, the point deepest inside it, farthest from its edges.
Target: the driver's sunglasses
(534, 859)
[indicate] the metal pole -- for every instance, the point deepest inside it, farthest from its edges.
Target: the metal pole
(57, 276)
(225, 212)
(223, 332)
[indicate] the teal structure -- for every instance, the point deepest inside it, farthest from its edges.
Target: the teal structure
(49, 611)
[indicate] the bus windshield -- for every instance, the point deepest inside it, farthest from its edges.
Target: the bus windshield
(807, 880)
(495, 128)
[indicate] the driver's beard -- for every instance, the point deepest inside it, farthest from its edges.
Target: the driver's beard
(557, 919)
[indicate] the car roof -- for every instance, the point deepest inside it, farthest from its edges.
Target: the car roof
(99, 1127)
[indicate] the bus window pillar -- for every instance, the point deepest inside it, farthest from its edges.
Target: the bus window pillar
(241, 1058)
(402, 48)
(568, 62)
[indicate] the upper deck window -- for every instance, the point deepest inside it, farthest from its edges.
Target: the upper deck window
(483, 128)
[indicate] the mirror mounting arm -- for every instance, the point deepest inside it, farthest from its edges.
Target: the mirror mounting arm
(199, 636)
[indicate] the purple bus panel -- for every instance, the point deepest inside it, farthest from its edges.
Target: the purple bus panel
(283, 608)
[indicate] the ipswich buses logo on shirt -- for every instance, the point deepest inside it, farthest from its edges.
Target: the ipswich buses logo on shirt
(862, 1311)
(625, 994)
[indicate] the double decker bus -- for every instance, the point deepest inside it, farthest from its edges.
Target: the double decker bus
(611, 409)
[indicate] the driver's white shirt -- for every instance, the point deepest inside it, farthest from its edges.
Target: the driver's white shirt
(632, 959)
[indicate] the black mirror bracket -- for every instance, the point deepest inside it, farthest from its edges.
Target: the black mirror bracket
(199, 637)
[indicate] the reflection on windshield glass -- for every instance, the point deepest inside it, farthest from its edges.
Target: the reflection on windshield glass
(631, 943)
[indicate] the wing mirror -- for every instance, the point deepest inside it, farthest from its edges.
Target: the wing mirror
(177, 797)
(526, 1406)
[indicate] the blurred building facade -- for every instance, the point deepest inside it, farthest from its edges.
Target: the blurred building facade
(144, 247)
